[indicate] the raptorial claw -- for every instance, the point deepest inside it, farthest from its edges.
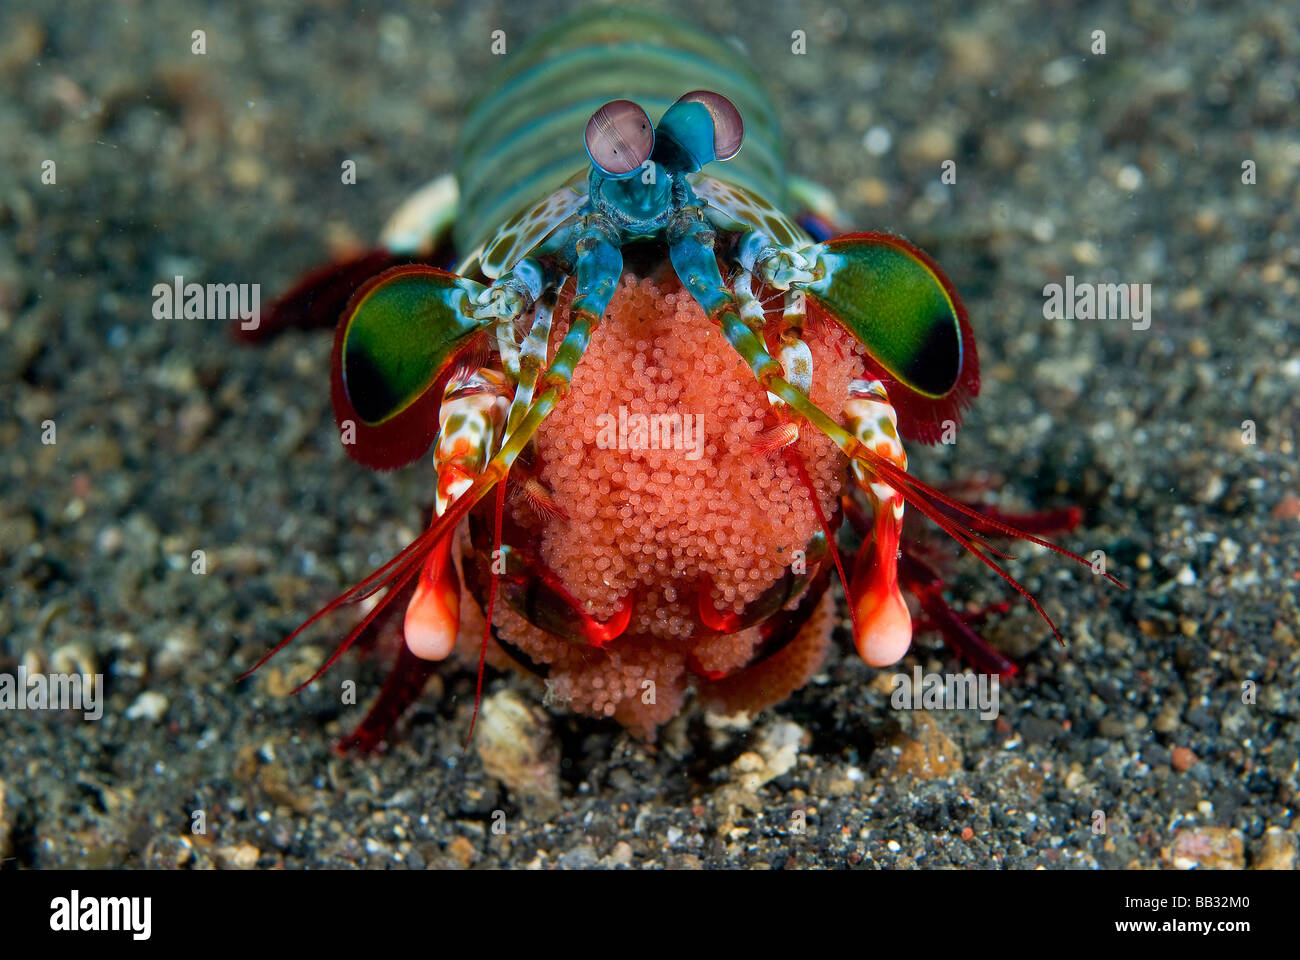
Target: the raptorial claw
(506, 301)
(513, 294)
(897, 302)
(882, 625)
(781, 269)
(433, 615)
(403, 336)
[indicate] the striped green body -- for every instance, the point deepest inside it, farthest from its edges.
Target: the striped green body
(524, 139)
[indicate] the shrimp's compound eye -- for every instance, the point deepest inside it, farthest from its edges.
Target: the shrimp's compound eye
(620, 138)
(728, 128)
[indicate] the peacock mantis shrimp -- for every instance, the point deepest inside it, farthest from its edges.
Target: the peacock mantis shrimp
(615, 264)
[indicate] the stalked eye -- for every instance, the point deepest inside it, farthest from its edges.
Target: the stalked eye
(619, 138)
(728, 128)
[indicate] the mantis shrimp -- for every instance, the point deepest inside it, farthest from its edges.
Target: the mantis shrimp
(622, 280)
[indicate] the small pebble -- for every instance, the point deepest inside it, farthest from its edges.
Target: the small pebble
(1129, 178)
(1207, 848)
(148, 706)
(1277, 851)
(877, 141)
(1183, 759)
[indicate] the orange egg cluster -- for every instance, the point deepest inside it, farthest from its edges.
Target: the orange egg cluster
(703, 511)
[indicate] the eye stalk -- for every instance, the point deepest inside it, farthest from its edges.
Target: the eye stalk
(702, 126)
(620, 138)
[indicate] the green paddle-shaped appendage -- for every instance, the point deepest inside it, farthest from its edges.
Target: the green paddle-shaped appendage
(898, 304)
(401, 330)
